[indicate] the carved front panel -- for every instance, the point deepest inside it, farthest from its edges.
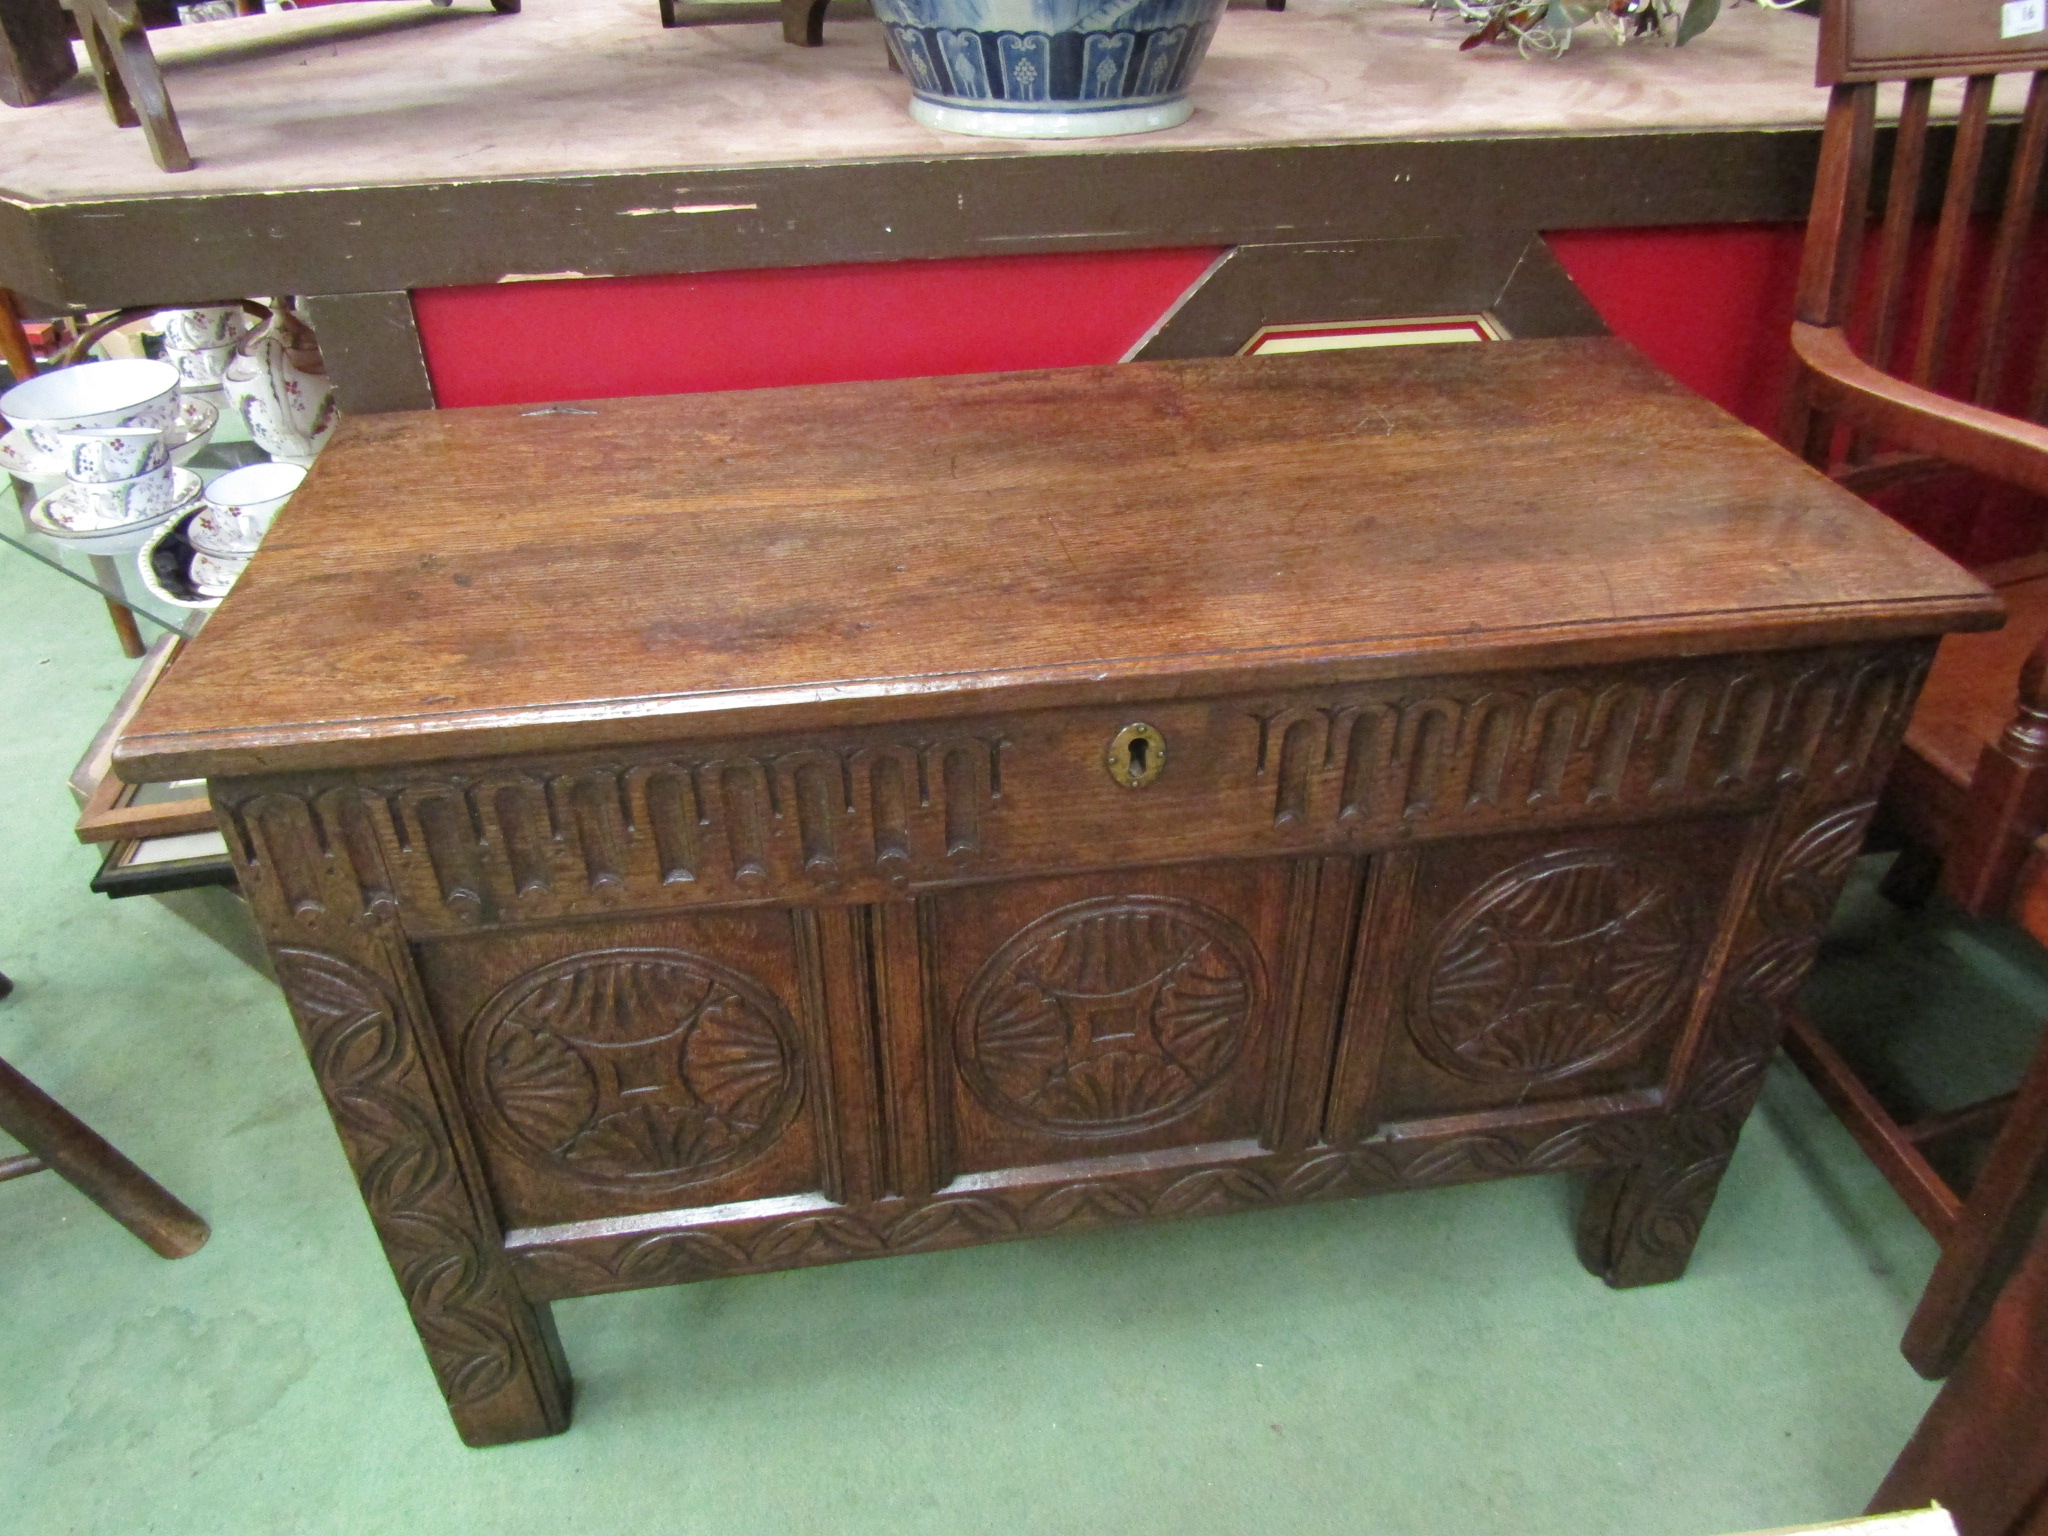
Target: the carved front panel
(880, 811)
(637, 1066)
(1096, 1015)
(1538, 969)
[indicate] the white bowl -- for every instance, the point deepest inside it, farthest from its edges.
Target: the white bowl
(121, 392)
(194, 428)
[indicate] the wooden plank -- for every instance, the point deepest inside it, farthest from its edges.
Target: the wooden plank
(1903, 39)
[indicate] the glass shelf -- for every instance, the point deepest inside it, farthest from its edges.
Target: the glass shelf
(117, 577)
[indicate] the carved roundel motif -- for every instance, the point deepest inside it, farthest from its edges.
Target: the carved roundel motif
(1110, 1015)
(634, 1066)
(1551, 967)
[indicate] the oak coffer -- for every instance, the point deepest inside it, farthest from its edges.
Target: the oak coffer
(713, 834)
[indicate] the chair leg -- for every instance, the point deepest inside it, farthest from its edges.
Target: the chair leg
(134, 86)
(71, 1149)
(1991, 1232)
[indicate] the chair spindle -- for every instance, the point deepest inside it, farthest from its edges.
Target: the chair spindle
(2015, 224)
(1901, 202)
(1951, 238)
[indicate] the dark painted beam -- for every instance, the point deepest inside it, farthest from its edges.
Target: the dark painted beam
(165, 249)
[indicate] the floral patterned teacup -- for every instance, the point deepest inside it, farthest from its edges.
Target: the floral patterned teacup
(115, 503)
(201, 330)
(240, 506)
(96, 455)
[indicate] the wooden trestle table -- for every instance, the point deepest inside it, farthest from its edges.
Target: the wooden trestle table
(713, 834)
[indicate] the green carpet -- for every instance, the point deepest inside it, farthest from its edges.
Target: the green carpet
(1422, 1363)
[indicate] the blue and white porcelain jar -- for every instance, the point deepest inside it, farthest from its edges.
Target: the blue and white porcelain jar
(1050, 69)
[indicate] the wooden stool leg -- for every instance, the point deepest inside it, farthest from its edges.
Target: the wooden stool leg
(35, 51)
(803, 22)
(113, 89)
(70, 1149)
(129, 78)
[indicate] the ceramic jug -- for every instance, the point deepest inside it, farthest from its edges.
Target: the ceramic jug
(278, 386)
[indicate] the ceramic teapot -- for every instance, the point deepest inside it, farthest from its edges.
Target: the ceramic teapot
(278, 385)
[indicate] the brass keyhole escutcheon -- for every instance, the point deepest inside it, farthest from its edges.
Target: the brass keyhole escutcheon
(1136, 754)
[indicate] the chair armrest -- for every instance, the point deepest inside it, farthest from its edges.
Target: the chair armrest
(1843, 385)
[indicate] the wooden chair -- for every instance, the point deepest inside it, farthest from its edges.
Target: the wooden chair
(1981, 1451)
(59, 1141)
(1887, 390)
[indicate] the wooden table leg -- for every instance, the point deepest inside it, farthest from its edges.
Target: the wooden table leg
(126, 630)
(75, 1153)
(14, 348)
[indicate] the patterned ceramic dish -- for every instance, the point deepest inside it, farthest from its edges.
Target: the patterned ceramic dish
(165, 565)
(1049, 69)
(191, 431)
(58, 516)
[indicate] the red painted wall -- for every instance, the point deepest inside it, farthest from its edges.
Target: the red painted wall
(1709, 305)
(515, 343)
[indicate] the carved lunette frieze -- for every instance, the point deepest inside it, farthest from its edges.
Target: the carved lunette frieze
(454, 849)
(1377, 761)
(462, 846)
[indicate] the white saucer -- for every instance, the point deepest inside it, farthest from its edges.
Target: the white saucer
(52, 517)
(192, 431)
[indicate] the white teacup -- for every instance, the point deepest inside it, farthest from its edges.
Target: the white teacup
(121, 392)
(212, 575)
(96, 455)
(199, 330)
(240, 506)
(203, 368)
(112, 503)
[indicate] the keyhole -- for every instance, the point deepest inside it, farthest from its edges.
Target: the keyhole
(1135, 756)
